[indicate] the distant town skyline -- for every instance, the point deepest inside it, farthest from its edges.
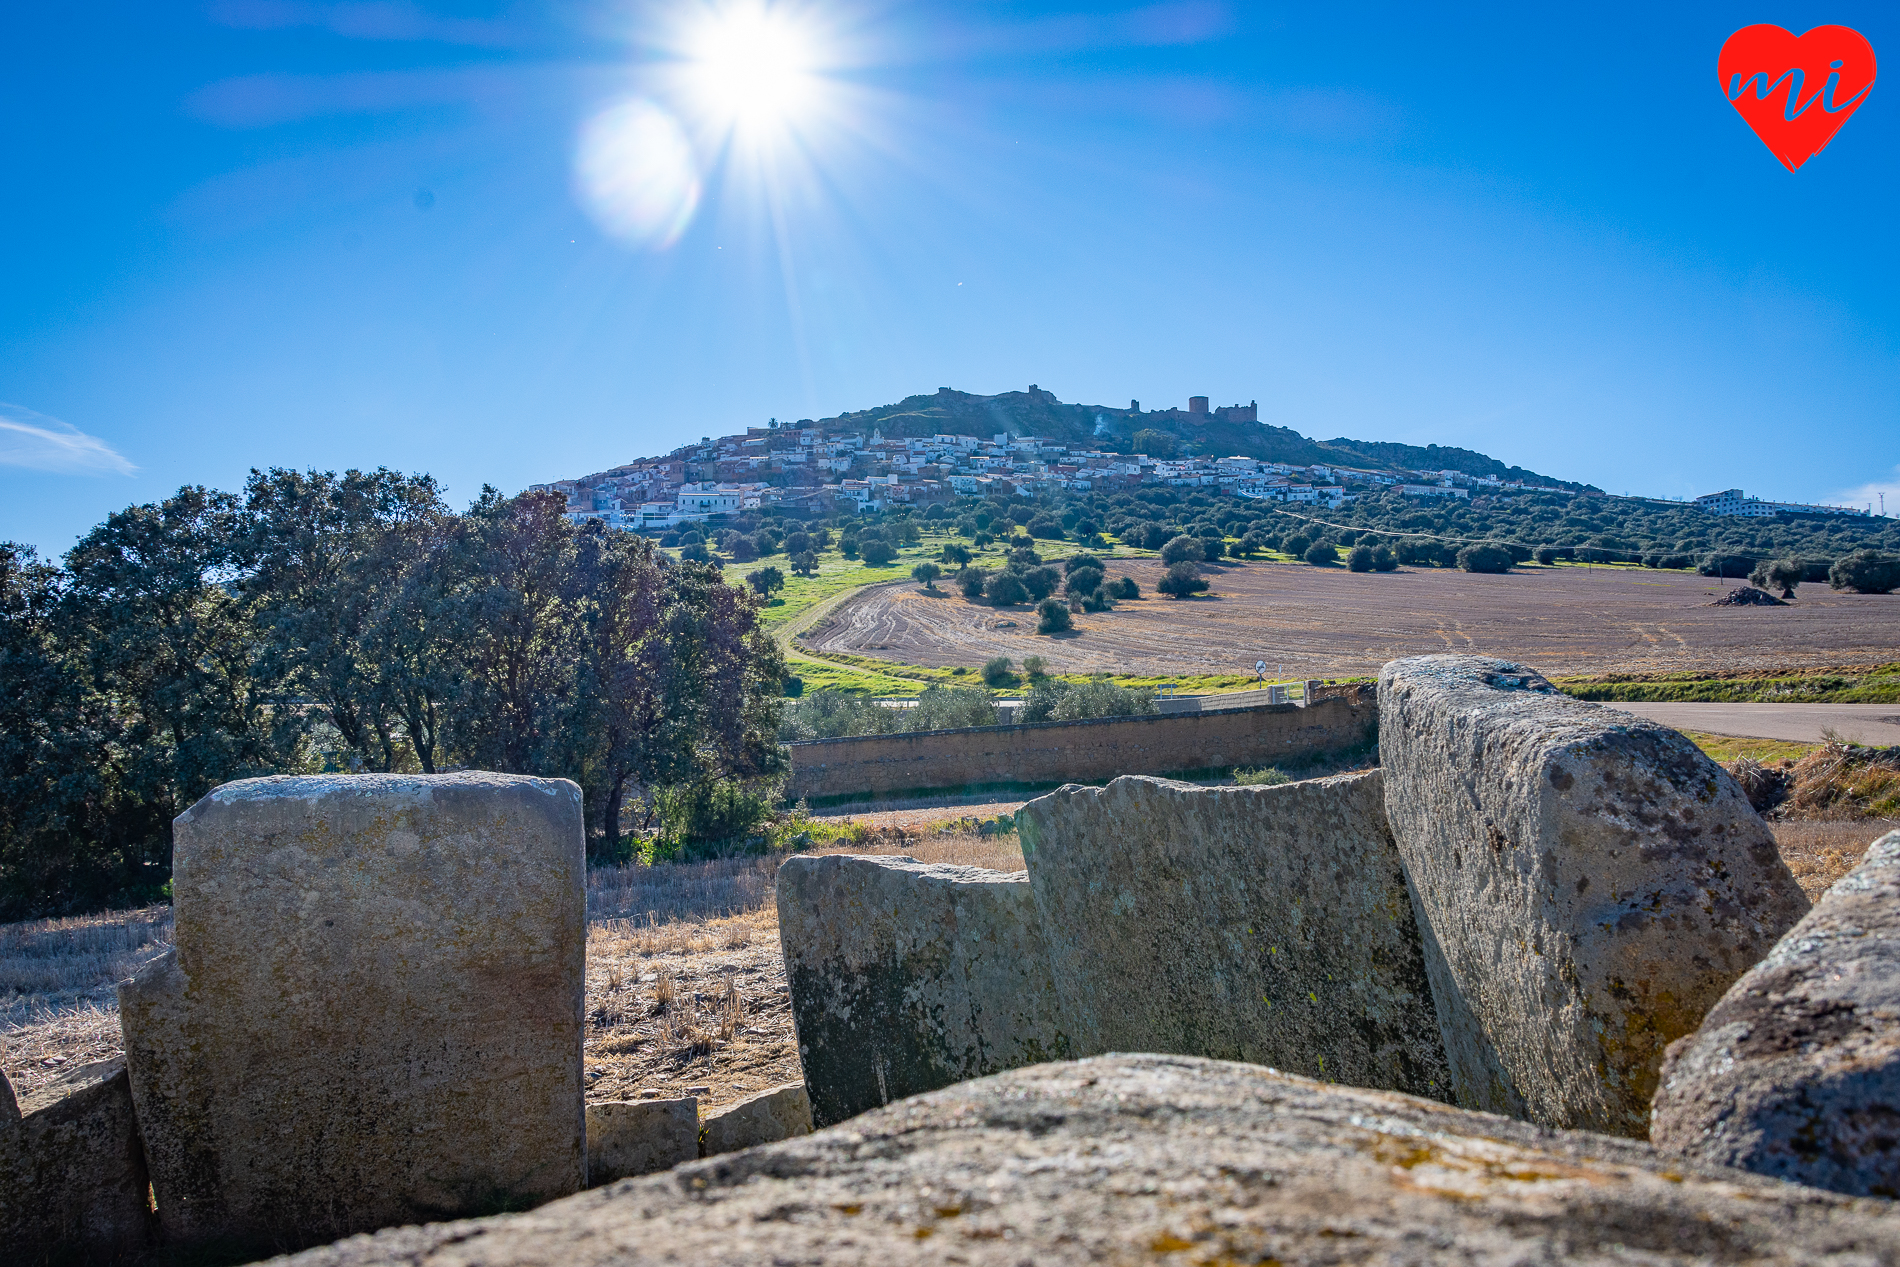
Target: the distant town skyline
(504, 242)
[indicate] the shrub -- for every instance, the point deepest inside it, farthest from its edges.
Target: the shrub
(1048, 529)
(804, 563)
(1319, 554)
(1779, 574)
(798, 542)
(1865, 572)
(1485, 558)
(765, 581)
(1725, 566)
(996, 672)
(936, 513)
(1149, 536)
(1035, 666)
(1083, 581)
(1054, 700)
(1156, 444)
(692, 537)
(710, 817)
(928, 573)
(848, 545)
(1213, 547)
(1041, 582)
(1545, 555)
(949, 708)
(1052, 616)
(1006, 589)
(982, 540)
(1269, 777)
(1359, 559)
(1181, 581)
(1183, 549)
(1295, 544)
(954, 553)
(878, 553)
(1124, 587)
(767, 541)
(1097, 600)
(1075, 562)
(906, 532)
(1250, 544)
(971, 581)
(696, 553)
(1383, 560)
(1021, 555)
(793, 686)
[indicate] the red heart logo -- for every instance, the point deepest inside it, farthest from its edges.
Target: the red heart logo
(1796, 91)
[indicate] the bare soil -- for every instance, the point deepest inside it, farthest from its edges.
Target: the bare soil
(1309, 622)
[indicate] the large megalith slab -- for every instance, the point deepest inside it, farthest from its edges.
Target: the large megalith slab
(373, 1013)
(1264, 924)
(1589, 884)
(906, 977)
(1796, 1072)
(1169, 1159)
(73, 1185)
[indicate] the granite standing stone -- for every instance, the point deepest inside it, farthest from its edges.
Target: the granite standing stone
(72, 1175)
(638, 1137)
(1265, 924)
(1168, 1159)
(765, 1118)
(907, 977)
(1796, 1072)
(373, 1013)
(1589, 884)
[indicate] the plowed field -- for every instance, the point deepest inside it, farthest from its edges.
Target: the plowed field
(1328, 622)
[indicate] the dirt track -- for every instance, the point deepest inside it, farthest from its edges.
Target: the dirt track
(1328, 622)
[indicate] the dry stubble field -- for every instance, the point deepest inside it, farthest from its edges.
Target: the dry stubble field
(1328, 622)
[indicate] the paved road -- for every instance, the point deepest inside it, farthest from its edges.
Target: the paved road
(1877, 724)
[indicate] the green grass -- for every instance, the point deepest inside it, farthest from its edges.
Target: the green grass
(1729, 748)
(1854, 685)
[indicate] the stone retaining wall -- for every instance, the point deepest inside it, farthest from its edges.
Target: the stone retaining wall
(1085, 751)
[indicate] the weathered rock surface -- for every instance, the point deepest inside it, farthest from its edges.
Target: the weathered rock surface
(1265, 924)
(765, 1118)
(373, 1014)
(1589, 885)
(907, 977)
(72, 1175)
(1796, 1072)
(638, 1137)
(1126, 1159)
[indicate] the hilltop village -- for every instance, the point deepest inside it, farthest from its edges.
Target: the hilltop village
(824, 467)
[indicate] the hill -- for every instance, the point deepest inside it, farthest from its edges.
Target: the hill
(1036, 412)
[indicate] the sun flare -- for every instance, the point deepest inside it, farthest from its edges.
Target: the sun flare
(753, 65)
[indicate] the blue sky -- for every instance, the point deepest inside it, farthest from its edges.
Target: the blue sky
(289, 232)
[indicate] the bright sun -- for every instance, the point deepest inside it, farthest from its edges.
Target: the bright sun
(752, 65)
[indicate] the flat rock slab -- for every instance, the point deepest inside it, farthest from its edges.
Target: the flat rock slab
(1264, 924)
(906, 977)
(1589, 884)
(639, 1137)
(1138, 1159)
(73, 1185)
(1796, 1072)
(765, 1118)
(373, 1014)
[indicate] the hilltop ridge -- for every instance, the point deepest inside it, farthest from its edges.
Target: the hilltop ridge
(1218, 432)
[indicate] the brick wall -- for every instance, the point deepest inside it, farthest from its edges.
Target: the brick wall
(1086, 751)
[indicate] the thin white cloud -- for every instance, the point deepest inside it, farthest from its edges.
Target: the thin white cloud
(40, 443)
(365, 20)
(1868, 494)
